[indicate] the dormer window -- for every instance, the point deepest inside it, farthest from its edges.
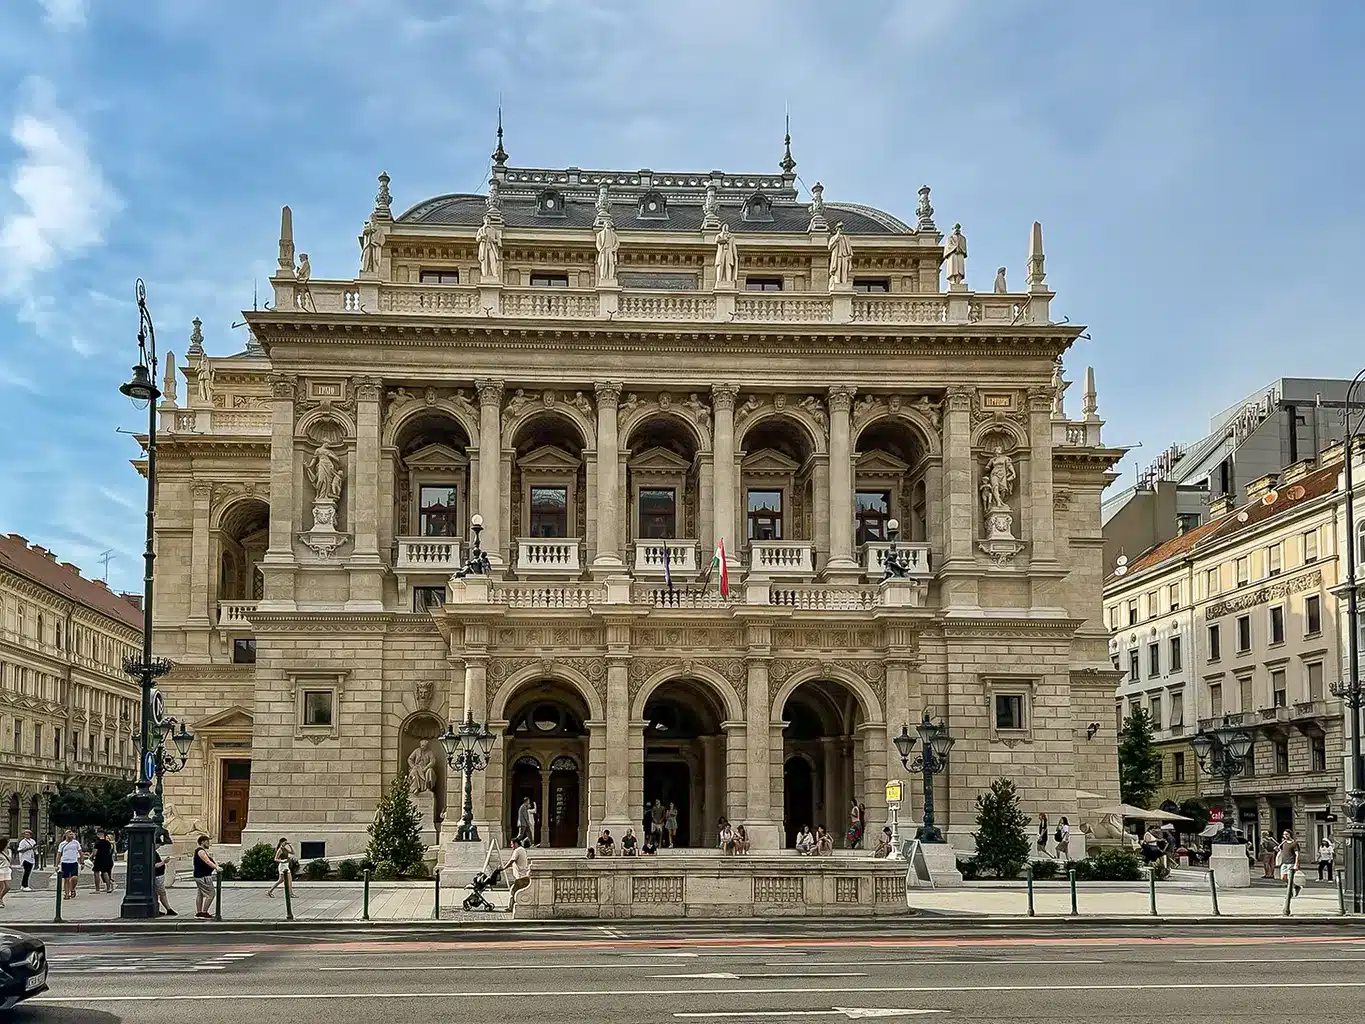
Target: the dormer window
(653, 206)
(757, 207)
(550, 203)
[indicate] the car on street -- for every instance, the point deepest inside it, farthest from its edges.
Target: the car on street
(23, 968)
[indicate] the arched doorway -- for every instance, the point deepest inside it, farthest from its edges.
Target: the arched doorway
(13, 816)
(823, 760)
(243, 535)
(33, 806)
(426, 726)
(546, 751)
(684, 748)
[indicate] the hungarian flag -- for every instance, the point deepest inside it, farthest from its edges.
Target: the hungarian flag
(718, 562)
(668, 568)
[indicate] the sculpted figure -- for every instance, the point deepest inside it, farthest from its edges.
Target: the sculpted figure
(955, 255)
(607, 244)
(1000, 287)
(840, 257)
(325, 473)
(369, 251)
(489, 237)
(422, 769)
(305, 271)
(727, 258)
(998, 484)
(699, 410)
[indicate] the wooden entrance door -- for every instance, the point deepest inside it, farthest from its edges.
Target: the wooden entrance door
(235, 799)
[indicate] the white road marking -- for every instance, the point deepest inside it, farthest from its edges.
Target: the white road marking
(522, 995)
(726, 976)
(848, 1012)
(957, 963)
(1277, 960)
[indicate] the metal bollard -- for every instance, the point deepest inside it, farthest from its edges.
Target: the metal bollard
(436, 904)
(217, 895)
(57, 877)
(1072, 876)
(288, 898)
(1341, 893)
(1213, 891)
(365, 912)
(1030, 889)
(1151, 890)
(1288, 889)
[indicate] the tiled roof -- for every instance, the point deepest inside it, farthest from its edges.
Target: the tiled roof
(41, 566)
(1285, 498)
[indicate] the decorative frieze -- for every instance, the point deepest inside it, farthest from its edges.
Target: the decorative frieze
(1274, 592)
(558, 637)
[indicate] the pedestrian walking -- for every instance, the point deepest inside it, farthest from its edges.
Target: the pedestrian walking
(1288, 860)
(1269, 849)
(854, 835)
(1327, 853)
(520, 866)
(284, 853)
(28, 859)
(526, 821)
(205, 868)
(6, 870)
(1042, 833)
(656, 822)
(103, 861)
(163, 857)
(671, 824)
(69, 856)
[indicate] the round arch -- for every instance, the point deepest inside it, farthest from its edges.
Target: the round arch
(868, 701)
(645, 412)
(914, 419)
(815, 434)
(717, 683)
(1010, 430)
(466, 418)
(323, 414)
(534, 408)
(575, 680)
(233, 505)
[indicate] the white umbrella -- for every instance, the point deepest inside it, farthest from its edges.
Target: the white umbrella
(1142, 813)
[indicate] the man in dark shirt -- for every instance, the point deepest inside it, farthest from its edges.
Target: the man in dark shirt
(205, 867)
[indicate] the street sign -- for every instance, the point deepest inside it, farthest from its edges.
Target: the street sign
(158, 707)
(149, 765)
(894, 790)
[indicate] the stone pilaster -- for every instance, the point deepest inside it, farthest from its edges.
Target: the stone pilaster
(765, 831)
(713, 803)
(608, 480)
(841, 561)
(620, 757)
(475, 702)
(490, 467)
(833, 815)
(959, 528)
(1041, 528)
(365, 566)
(278, 566)
(597, 776)
(724, 484)
(203, 571)
(736, 767)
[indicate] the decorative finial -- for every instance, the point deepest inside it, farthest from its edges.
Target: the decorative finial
(1036, 260)
(493, 204)
(286, 242)
(817, 209)
(710, 209)
(603, 204)
(925, 211)
(1090, 400)
(168, 385)
(196, 338)
(499, 154)
(383, 201)
(788, 164)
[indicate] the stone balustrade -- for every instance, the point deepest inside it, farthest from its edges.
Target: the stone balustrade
(649, 557)
(542, 555)
(428, 554)
(915, 558)
(683, 597)
(533, 595)
(821, 598)
(235, 614)
(778, 558)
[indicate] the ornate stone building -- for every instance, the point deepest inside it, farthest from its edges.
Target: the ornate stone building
(66, 707)
(620, 372)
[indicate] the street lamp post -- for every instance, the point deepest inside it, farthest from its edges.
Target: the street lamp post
(139, 899)
(1222, 754)
(168, 763)
(934, 744)
(1349, 689)
(467, 751)
(895, 564)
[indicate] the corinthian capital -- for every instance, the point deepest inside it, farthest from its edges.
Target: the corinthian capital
(283, 385)
(490, 392)
(723, 396)
(608, 393)
(367, 389)
(841, 397)
(959, 399)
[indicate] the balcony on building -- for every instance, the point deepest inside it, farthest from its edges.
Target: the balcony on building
(242, 535)
(549, 481)
(431, 509)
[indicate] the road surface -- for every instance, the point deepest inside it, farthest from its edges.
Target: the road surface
(765, 972)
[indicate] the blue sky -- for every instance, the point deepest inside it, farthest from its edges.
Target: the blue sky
(1197, 169)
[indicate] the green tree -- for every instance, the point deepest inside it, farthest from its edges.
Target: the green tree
(1137, 760)
(396, 833)
(93, 803)
(1002, 845)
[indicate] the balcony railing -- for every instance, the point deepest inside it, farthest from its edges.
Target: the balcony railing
(683, 597)
(426, 298)
(915, 557)
(581, 595)
(235, 614)
(549, 555)
(816, 598)
(549, 302)
(549, 596)
(778, 558)
(667, 306)
(428, 554)
(682, 557)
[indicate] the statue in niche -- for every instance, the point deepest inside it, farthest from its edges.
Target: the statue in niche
(489, 237)
(998, 483)
(607, 245)
(326, 474)
(955, 255)
(727, 257)
(422, 768)
(840, 258)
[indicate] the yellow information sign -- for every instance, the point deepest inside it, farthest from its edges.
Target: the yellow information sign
(893, 792)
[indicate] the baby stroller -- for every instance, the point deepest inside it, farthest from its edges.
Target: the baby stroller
(486, 889)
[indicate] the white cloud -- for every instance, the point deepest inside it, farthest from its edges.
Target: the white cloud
(10, 378)
(64, 14)
(63, 202)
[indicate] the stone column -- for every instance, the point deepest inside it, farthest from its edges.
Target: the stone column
(277, 567)
(619, 761)
(608, 481)
(597, 776)
(475, 700)
(1040, 476)
(365, 566)
(897, 715)
(723, 485)
(713, 806)
(490, 467)
(959, 532)
(873, 735)
(736, 768)
(841, 561)
(765, 833)
(833, 815)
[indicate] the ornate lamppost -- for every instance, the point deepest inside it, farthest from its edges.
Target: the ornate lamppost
(895, 563)
(934, 743)
(467, 751)
(477, 562)
(1349, 688)
(1223, 754)
(139, 900)
(168, 763)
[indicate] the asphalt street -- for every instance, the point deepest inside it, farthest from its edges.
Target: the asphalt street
(790, 971)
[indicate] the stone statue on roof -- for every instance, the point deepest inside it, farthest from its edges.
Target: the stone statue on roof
(1001, 287)
(369, 249)
(727, 257)
(840, 258)
(607, 245)
(489, 237)
(955, 255)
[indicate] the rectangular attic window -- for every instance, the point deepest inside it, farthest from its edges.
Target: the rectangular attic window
(549, 280)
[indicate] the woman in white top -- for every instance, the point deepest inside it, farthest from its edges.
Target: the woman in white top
(28, 857)
(284, 853)
(6, 870)
(69, 856)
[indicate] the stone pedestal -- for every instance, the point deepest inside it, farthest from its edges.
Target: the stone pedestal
(765, 835)
(1000, 542)
(460, 862)
(1230, 867)
(940, 860)
(426, 806)
(324, 538)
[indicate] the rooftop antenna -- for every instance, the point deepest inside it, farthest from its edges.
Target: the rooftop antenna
(105, 558)
(499, 154)
(255, 308)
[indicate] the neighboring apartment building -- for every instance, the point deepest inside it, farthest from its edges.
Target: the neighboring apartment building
(66, 707)
(1258, 642)
(618, 371)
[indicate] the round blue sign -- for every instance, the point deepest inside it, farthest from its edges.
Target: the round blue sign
(149, 765)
